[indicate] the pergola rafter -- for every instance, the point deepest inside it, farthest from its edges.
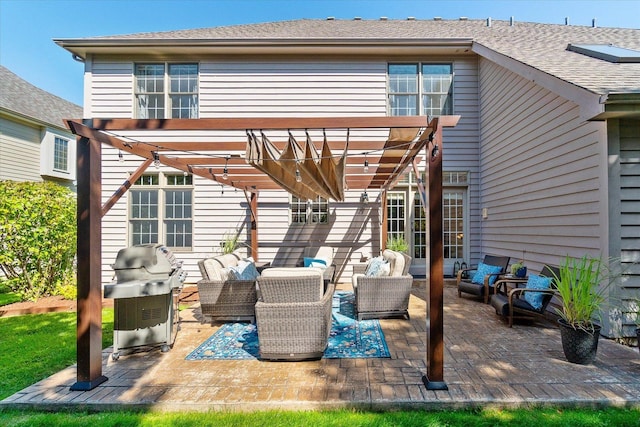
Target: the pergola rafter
(386, 158)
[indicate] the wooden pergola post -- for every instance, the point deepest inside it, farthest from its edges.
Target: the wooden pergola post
(434, 378)
(89, 254)
(254, 225)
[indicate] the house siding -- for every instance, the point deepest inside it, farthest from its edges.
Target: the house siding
(111, 85)
(624, 211)
(19, 151)
(540, 169)
(247, 87)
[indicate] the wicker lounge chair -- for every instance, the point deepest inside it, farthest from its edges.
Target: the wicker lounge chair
(293, 314)
(323, 253)
(384, 296)
(512, 305)
(485, 288)
(222, 298)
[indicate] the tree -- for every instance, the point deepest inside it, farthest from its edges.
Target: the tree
(37, 237)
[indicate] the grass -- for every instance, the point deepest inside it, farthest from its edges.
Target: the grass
(535, 417)
(6, 296)
(33, 347)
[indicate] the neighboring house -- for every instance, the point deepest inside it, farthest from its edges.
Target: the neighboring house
(545, 158)
(35, 144)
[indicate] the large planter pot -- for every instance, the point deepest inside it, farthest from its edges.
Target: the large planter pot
(579, 346)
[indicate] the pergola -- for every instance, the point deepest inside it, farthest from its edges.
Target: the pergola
(306, 169)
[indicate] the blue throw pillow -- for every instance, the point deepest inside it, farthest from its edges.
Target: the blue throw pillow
(313, 262)
(373, 269)
(483, 270)
(536, 282)
(245, 270)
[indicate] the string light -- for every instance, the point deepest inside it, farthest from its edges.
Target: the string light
(120, 156)
(156, 160)
(366, 164)
(298, 176)
(225, 172)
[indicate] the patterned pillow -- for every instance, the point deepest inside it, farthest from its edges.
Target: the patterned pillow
(245, 270)
(536, 282)
(373, 269)
(385, 270)
(483, 270)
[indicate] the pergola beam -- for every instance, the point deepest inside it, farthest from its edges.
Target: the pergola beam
(263, 123)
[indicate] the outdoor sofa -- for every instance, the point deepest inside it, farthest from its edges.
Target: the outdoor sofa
(227, 290)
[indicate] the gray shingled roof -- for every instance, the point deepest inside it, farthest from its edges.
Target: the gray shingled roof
(542, 46)
(21, 97)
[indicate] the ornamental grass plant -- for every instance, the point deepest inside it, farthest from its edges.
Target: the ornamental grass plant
(581, 288)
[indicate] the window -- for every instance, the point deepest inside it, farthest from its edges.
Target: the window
(166, 91)
(395, 215)
(60, 154)
(420, 89)
(161, 205)
(309, 212)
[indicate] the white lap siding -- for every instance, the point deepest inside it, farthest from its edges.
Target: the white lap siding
(541, 170)
(249, 87)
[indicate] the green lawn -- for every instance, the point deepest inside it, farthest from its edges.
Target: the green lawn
(533, 417)
(33, 347)
(7, 297)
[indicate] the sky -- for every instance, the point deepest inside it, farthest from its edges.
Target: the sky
(28, 27)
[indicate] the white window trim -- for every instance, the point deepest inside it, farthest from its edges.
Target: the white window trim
(166, 90)
(161, 188)
(420, 83)
(47, 152)
(309, 212)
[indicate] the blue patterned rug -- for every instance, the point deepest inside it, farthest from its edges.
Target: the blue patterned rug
(349, 337)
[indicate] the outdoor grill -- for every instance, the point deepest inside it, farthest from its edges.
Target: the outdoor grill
(145, 292)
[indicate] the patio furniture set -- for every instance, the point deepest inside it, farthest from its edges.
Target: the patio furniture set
(292, 306)
(512, 297)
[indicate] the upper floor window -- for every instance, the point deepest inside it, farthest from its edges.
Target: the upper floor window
(61, 154)
(166, 91)
(420, 89)
(161, 206)
(309, 212)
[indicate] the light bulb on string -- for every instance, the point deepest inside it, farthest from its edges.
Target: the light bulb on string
(365, 169)
(120, 156)
(225, 172)
(156, 160)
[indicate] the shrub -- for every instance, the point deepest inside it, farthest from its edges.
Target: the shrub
(37, 237)
(398, 244)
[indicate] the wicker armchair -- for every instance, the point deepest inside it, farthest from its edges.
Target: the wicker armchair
(226, 299)
(384, 296)
(293, 315)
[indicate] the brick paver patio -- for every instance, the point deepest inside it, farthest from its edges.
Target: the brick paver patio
(486, 363)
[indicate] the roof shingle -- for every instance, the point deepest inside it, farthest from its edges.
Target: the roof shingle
(19, 96)
(542, 46)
